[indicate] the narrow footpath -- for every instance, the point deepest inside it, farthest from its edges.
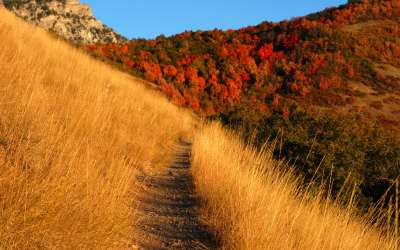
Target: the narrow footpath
(168, 208)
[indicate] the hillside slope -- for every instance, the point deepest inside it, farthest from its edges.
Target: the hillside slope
(329, 59)
(253, 204)
(326, 85)
(75, 135)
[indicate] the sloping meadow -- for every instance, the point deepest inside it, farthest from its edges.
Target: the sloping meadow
(253, 204)
(73, 134)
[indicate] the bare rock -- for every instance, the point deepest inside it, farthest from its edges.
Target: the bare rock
(67, 18)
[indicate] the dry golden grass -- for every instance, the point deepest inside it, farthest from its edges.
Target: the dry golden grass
(253, 205)
(73, 133)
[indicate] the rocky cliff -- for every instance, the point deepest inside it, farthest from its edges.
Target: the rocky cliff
(67, 18)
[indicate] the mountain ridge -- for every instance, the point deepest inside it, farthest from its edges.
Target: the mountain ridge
(67, 18)
(312, 59)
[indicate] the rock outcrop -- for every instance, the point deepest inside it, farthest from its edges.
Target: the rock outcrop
(67, 18)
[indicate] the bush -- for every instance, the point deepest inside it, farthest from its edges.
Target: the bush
(340, 149)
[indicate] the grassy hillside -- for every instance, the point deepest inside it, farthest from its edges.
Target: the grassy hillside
(253, 204)
(303, 81)
(74, 133)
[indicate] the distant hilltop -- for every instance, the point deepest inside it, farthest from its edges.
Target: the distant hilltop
(67, 18)
(73, 6)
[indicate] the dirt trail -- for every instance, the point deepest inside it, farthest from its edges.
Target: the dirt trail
(168, 208)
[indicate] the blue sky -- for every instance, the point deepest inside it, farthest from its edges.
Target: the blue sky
(150, 18)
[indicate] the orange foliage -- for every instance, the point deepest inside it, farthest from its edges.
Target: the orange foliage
(170, 70)
(266, 51)
(125, 49)
(218, 71)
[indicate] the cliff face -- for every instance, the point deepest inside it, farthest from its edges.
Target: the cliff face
(66, 18)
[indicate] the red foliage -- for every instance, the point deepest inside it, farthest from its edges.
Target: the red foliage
(304, 91)
(170, 70)
(294, 87)
(104, 51)
(317, 62)
(180, 78)
(129, 63)
(219, 71)
(276, 101)
(328, 82)
(201, 82)
(191, 101)
(194, 79)
(350, 72)
(224, 92)
(324, 83)
(90, 47)
(300, 76)
(262, 108)
(266, 51)
(143, 55)
(125, 49)
(290, 41)
(152, 71)
(285, 112)
(213, 80)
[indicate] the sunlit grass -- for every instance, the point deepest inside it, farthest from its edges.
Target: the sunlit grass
(73, 133)
(253, 204)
